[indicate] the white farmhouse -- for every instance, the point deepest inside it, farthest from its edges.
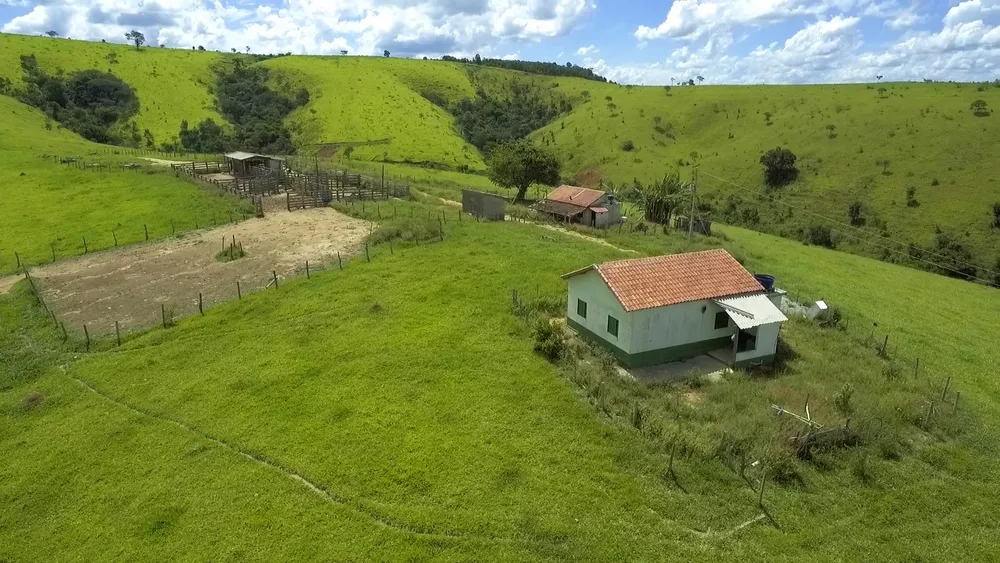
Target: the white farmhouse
(650, 311)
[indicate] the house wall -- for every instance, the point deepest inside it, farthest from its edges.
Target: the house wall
(601, 303)
(767, 345)
(679, 331)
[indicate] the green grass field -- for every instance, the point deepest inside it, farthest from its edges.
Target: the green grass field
(50, 205)
(407, 390)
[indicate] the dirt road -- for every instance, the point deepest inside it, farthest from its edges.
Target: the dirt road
(130, 284)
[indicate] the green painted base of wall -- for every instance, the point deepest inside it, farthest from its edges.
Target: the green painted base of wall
(763, 360)
(653, 357)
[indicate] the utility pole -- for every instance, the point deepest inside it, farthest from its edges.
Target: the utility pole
(694, 192)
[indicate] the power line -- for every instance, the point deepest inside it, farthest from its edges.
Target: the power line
(888, 249)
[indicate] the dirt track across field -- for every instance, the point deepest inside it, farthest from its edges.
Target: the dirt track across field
(130, 284)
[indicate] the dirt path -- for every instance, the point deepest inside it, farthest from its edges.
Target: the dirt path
(130, 284)
(163, 162)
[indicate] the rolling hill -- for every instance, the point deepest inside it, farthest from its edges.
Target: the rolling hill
(912, 158)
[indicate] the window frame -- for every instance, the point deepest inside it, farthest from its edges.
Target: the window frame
(717, 317)
(616, 324)
(580, 302)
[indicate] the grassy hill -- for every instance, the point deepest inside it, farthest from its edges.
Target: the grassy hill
(51, 207)
(408, 393)
(377, 110)
(172, 84)
(379, 101)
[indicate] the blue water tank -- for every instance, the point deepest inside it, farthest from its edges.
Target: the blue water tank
(765, 280)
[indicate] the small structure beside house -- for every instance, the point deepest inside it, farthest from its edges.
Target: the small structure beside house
(241, 164)
(483, 205)
(593, 208)
(650, 311)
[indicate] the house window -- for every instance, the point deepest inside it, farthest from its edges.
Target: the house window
(721, 320)
(581, 308)
(613, 326)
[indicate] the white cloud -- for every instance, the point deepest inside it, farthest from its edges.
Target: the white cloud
(404, 27)
(589, 49)
(971, 10)
(694, 19)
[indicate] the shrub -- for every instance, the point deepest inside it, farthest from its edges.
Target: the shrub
(628, 146)
(935, 182)
(996, 215)
(833, 318)
(854, 213)
(779, 166)
(550, 341)
(820, 235)
(911, 197)
(32, 400)
(861, 469)
(843, 399)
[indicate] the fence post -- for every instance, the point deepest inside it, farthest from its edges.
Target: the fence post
(339, 261)
(118, 333)
(86, 334)
(275, 274)
(947, 383)
(916, 369)
(52, 245)
(65, 334)
(307, 270)
(85, 250)
(18, 258)
(239, 292)
(958, 395)
(367, 256)
(201, 308)
(115, 236)
(173, 231)
(163, 314)
(145, 228)
(760, 493)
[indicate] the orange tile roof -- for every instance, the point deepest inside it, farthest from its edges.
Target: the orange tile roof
(584, 197)
(645, 283)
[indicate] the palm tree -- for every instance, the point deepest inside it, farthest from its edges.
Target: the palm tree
(658, 200)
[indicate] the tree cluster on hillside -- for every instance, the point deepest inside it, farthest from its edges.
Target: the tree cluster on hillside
(91, 103)
(779, 166)
(255, 110)
(533, 67)
(485, 121)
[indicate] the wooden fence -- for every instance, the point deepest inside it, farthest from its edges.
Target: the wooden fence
(262, 181)
(315, 189)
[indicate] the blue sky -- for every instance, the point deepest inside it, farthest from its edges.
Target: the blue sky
(725, 41)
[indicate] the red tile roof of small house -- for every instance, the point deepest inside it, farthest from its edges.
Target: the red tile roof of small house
(646, 283)
(584, 197)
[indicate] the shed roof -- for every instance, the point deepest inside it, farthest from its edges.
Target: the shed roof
(646, 283)
(559, 208)
(748, 311)
(583, 197)
(240, 155)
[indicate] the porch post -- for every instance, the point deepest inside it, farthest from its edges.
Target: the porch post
(736, 344)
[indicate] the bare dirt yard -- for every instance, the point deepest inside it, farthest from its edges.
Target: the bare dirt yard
(130, 284)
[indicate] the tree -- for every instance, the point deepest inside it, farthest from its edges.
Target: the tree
(700, 79)
(385, 53)
(854, 214)
(881, 92)
(136, 37)
(884, 163)
(690, 82)
(233, 49)
(878, 78)
(519, 164)
(832, 130)
(659, 200)
(478, 60)
(201, 48)
(343, 51)
(911, 197)
(979, 108)
(666, 90)
(248, 49)
(779, 166)
(52, 33)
